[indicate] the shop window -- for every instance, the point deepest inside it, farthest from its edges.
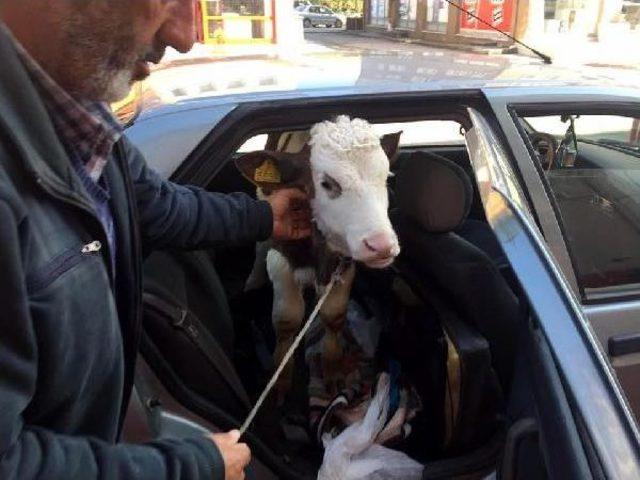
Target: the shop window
(243, 7)
(214, 8)
(437, 15)
(215, 29)
(550, 9)
(379, 12)
(407, 14)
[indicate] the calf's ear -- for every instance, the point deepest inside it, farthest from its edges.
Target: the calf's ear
(271, 170)
(390, 143)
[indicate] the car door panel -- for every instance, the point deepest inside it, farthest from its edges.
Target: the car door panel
(591, 389)
(616, 324)
(612, 311)
(155, 413)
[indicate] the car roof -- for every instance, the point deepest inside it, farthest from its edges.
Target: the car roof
(206, 80)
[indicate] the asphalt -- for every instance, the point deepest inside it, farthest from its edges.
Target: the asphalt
(574, 52)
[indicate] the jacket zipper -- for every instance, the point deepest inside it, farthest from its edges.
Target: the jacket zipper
(81, 205)
(61, 264)
(92, 247)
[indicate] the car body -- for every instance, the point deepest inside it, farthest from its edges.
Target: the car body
(588, 363)
(315, 15)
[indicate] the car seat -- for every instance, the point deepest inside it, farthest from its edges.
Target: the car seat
(475, 305)
(433, 199)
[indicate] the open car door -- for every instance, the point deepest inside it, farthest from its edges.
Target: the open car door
(577, 152)
(584, 428)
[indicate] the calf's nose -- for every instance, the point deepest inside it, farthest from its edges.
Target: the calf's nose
(382, 244)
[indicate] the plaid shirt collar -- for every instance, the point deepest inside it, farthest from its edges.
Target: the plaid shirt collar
(88, 130)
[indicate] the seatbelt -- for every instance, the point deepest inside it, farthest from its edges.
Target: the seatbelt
(184, 320)
(337, 274)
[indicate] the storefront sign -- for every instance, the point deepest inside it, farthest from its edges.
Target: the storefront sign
(499, 13)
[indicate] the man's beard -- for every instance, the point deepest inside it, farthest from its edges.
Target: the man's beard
(100, 55)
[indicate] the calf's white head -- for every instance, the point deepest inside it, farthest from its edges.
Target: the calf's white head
(343, 167)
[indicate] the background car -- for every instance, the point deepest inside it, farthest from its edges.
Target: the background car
(316, 15)
(532, 360)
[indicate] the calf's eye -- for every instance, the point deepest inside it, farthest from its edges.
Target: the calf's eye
(331, 186)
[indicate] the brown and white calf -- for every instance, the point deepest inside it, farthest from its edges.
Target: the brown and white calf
(343, 166)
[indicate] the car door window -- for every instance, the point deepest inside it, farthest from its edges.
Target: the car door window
(314, 10)
(592, 167)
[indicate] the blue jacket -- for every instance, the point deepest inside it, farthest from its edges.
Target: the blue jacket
(68, 332)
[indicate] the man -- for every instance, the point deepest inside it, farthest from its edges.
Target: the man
(77, 204)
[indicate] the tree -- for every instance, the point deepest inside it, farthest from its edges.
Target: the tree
(342, 5)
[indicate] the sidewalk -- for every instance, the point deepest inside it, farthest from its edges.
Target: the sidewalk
(616, 50)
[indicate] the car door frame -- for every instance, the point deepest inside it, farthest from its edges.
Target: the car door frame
(600, 411)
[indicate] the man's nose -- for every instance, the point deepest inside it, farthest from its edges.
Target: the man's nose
(179, 29)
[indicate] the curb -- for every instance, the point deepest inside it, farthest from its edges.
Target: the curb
(402, 38)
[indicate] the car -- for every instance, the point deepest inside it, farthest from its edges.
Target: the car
(315, 15)
(521, 313)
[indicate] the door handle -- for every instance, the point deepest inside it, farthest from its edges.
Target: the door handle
(624, 344)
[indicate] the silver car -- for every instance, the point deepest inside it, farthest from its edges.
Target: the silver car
(550, 228)
(316, 15)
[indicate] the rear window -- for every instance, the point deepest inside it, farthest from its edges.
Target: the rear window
(414, 134)
(424, 132)
(592, 167)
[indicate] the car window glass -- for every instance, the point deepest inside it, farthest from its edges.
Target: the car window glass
(414, 134)
(424, 132)
(592, 167)
(314, 9)
(254, 143)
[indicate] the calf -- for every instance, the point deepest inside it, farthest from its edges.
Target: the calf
(343, 166)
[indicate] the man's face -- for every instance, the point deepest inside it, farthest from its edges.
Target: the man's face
(108, 44)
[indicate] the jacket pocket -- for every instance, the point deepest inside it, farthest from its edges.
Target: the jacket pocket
(44, 276)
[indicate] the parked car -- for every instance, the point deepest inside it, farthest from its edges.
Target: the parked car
(530, 290)
(316, 15)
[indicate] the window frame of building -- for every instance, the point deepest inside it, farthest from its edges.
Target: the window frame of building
(375, 8)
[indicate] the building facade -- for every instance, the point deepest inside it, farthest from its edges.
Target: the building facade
(236, 21)
(444, 21)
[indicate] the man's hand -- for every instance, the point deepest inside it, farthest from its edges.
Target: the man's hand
(291, 214)
(236, 455)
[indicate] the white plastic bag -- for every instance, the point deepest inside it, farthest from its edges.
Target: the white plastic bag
(353, 455)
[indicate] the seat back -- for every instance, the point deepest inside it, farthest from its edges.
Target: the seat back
(477, 309)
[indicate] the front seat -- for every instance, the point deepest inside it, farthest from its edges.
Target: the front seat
(433, 197)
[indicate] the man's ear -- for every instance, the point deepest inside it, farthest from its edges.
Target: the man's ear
(271, 170)
(390, 143)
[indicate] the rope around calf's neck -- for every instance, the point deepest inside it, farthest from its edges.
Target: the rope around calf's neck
(296, 342)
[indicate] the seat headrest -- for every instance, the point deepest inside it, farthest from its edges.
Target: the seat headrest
(433, 191)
